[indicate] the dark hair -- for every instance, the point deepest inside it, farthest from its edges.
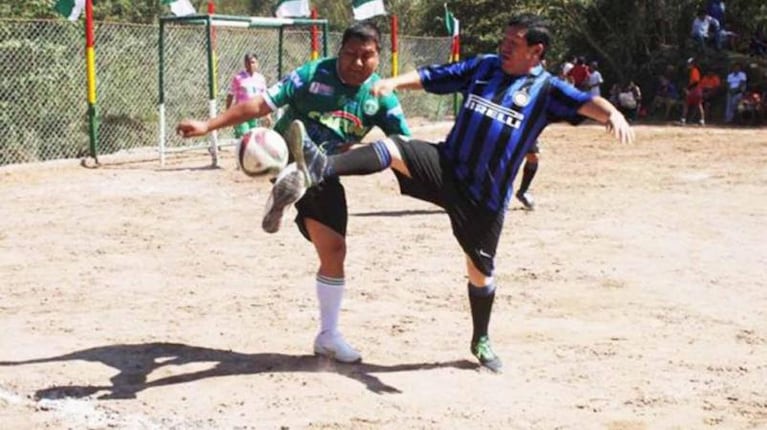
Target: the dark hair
(365, 31)
(537, 29)
(250, 56)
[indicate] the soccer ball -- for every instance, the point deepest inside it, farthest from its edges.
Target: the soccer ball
(261, 150)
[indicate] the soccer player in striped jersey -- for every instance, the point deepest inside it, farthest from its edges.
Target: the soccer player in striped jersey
(508, 100)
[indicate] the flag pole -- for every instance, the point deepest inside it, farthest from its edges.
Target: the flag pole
(456, 56)
(315, 35)
(212, 82)
(213, 45)
(455, 47)
(394, 46)
(90, 71)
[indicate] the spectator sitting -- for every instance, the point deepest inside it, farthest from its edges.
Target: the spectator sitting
(701, 28)
(630, 101)
(736, 86)
(666, 97)
(750, 107)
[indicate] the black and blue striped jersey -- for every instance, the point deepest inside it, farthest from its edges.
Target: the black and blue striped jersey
(499, 121)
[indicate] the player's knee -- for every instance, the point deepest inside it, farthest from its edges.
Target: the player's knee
(332, 250)
(476, 276)
(392, 144)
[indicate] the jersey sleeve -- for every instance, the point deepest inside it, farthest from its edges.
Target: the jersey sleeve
(285, 91)
(564, 101)
(390, 117)
(234, 85)
(448, 78)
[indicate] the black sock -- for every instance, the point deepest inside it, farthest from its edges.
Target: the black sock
(481, 302)
(361, 161)
(528, 174)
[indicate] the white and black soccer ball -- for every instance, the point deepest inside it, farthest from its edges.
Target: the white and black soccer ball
(261, 150)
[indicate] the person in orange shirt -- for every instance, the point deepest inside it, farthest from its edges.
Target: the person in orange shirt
(710, 84)
(693, 93)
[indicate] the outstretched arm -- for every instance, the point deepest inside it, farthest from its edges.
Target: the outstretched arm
(408, 81)
(239, 113)
(604, 112)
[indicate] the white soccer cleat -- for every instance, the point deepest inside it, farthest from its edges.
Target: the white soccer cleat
(289, 187)
(333, 346)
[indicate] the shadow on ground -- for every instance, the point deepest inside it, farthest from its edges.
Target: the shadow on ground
(135, 362)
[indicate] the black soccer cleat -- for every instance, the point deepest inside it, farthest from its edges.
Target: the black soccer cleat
(526, 199)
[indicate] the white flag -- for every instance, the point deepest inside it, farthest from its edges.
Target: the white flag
(180, 7)
(70, 8)
(364, 9)
(292, 8)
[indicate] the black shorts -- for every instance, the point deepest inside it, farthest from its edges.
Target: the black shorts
(476, 227)
(325, 203)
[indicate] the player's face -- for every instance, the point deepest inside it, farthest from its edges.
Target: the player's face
(517, 57)
(357, 60)
(251, 66)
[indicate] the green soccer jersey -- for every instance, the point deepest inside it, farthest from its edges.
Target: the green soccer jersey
(333, 113)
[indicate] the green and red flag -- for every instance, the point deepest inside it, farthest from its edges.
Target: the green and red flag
(453, 29)
(71, 9)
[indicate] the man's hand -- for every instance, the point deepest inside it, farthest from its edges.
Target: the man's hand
(191, 128)
(382, 87)
(617, 125)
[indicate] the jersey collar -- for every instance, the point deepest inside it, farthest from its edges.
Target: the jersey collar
(536, 71)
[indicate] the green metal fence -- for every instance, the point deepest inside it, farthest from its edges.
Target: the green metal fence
(43, 87)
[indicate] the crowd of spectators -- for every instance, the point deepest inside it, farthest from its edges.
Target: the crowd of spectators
(712, 86)
(716, 84)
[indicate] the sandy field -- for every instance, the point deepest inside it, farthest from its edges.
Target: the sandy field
(633, 297)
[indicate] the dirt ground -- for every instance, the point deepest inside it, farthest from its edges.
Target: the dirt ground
(633, 297)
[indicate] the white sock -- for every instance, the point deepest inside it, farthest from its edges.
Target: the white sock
(330, 292)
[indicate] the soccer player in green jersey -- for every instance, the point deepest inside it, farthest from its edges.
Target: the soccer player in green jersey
(332, 99)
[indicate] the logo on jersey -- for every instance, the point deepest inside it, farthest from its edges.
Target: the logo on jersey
(370, 107)
(509, 117)
(321, 89)
(521, 98)
(296, 79)
(340, 121)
